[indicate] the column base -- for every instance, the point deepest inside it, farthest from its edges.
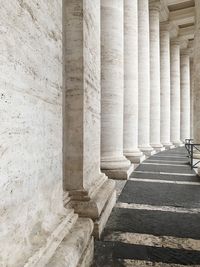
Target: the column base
(97, 205)
(117, 168)
(135, 157)
(178, 143)
(158, 147)
(148, 151)
(101, 222)
(77, 248)
(119, 174)
(168, 146)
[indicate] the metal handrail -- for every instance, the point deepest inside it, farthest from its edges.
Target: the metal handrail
(188, 141)
(190, 146)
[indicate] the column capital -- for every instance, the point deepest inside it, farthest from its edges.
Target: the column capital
(154, 5)
(165, 26)
(185, 52)
(175, 41)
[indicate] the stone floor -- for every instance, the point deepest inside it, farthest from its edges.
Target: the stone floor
(156, 221)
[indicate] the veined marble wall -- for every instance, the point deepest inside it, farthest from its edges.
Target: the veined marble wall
(31, 126)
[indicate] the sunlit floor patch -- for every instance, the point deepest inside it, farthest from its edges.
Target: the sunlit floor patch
(164, 164)
(171, 162)
(136, 263)
(169, 173)
(156, 241)
(156, 208)
(163, 181)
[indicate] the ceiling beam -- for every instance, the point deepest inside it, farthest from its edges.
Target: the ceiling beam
(183, 16)
(175, 2)
(187, 32)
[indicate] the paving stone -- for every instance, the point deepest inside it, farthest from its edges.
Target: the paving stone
(157, 209)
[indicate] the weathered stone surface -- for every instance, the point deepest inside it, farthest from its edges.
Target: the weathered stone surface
(185, 95)
(175, 92)
(119, 173)
(31, 126)
(112, 86)
(82, 94)
(88, 188)
(76, 250)
(144, 78)
(165, 85)
(112, 80)
(94, 206)
(191, 97)
(196, 92)
(100, 223)
(131, 150)
(154, 13)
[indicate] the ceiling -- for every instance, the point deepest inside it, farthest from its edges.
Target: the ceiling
(181, 16)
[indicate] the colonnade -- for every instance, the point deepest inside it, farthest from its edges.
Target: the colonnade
(145, 85)
(127, 96)
(88, 92)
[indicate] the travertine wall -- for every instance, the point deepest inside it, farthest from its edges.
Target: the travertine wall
(30, 126)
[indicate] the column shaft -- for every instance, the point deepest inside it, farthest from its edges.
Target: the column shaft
(131, 150)
(165, 85)
(92, 194)
(191, 97)
(113, 163)
(185, 95)
(155, 75)
(144, 78)
(175, 93)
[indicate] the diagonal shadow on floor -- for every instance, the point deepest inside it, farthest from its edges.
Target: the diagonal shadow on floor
(156, 221)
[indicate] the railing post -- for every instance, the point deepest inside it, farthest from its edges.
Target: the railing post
(191, 156)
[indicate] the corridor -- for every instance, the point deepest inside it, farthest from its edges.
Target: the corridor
(156, 221)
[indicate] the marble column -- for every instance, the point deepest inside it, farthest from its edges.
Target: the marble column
(196, 92)
(144, 79)
(131, 150)
(154, 7)
(191, 96)
(185, 95)
(175, 92)
(92, 194)
(113, 162)
(165, 85)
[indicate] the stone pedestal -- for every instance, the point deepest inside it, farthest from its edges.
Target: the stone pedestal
(91, 194)
(131, 150)
(165, 85)
(76, 249)
(144, 79)
(154, 6)
(113, 162)
(175, 92)
(185, 95)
